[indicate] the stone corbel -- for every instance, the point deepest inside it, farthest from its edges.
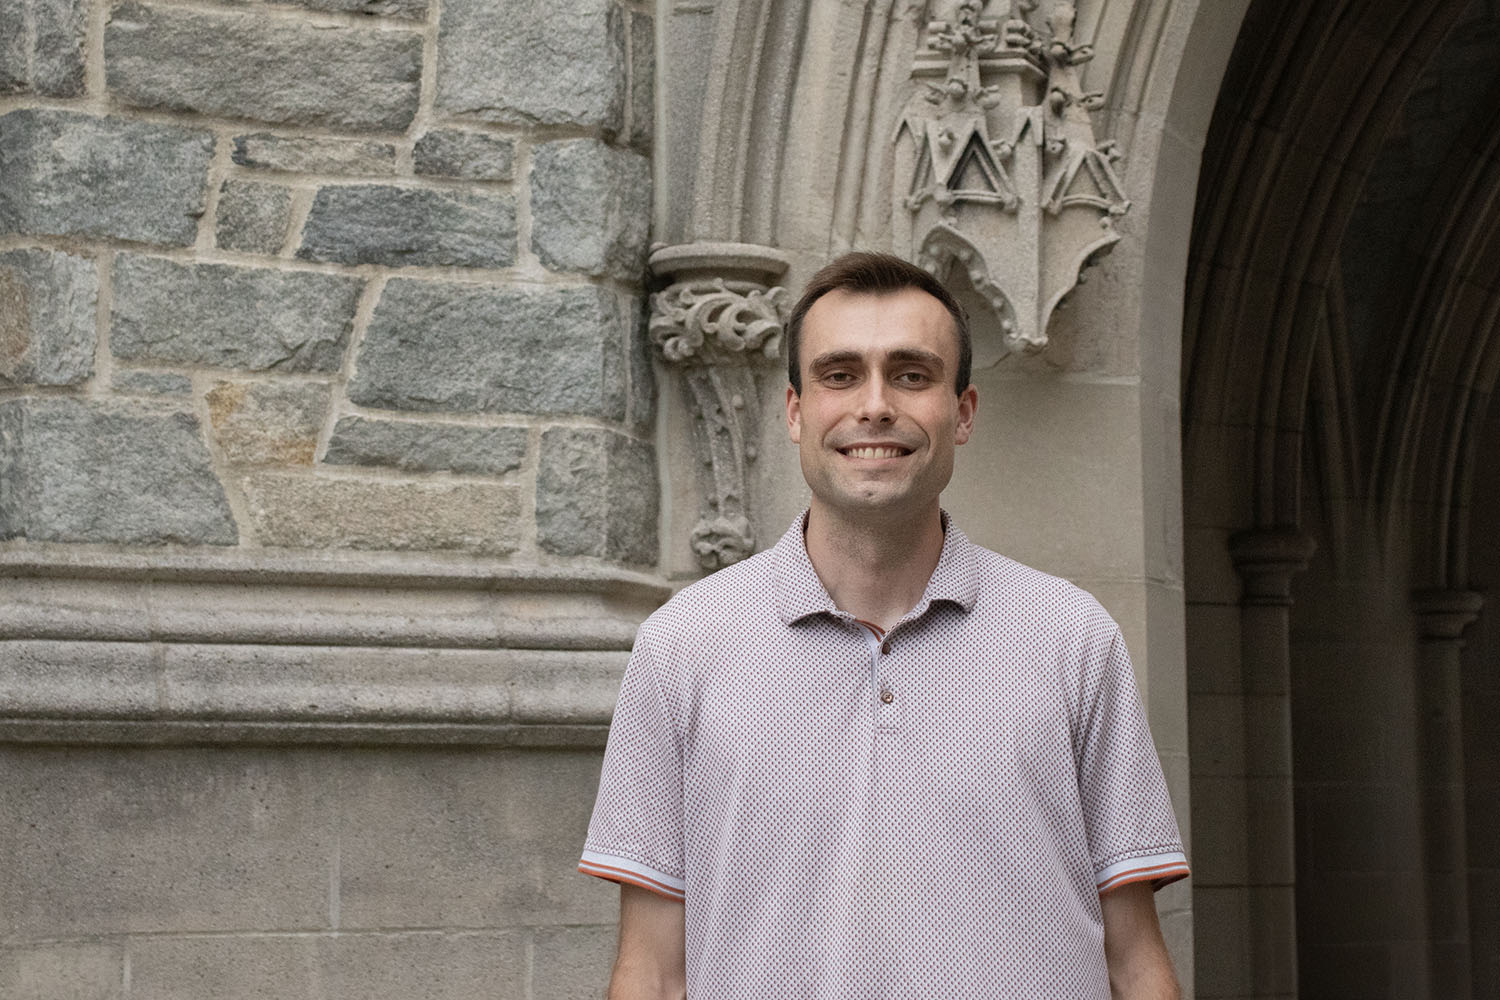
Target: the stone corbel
(719, 317)
(1000, 180)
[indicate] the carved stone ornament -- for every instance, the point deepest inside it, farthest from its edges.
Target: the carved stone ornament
(718, 318)
(998, 172)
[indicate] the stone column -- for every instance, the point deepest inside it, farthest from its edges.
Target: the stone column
(718, 319)
(1266, 562)
(1442, 616)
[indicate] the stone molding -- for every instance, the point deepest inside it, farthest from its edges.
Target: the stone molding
(998, 173)
(720, 316)
(238, 647)
(1266, 561)
(1442, 615)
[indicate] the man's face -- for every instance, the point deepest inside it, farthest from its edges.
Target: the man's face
(878, 419)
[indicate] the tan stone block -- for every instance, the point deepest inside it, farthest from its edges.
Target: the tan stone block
(63, 972)
(1052, 475)
(484, 839)
(1212, 635)
(1217, 731)
(267, 421)
(102, 841)
(571, 962)
(311, 512)
(412, 966)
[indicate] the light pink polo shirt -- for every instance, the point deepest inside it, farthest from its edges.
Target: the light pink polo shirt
(929, 813)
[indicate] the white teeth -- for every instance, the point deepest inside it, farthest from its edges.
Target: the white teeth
(874, 453)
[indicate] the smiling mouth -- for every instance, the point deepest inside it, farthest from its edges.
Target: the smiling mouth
(874, 451)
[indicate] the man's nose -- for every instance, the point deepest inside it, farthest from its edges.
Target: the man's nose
(875, 401)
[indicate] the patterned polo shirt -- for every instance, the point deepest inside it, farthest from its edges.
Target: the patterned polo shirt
(931, 811)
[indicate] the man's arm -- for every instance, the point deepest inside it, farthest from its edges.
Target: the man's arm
(652, 960)
(1139, 967)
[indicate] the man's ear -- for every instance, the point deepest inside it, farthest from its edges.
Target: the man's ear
(968, 403)
(793, 414)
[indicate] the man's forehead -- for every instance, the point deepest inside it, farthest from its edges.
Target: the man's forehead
(884, 321)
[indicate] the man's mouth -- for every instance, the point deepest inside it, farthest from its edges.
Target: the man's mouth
(874, 451)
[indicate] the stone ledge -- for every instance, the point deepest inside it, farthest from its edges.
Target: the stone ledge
(174, 693)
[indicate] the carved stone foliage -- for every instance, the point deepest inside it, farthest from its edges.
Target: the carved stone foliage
(999, 177)
(717, 320)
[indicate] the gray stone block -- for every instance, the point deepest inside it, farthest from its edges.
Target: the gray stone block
(63, 972)
(41, 47)
(305, 512)
(590, 208)
(67, 174)
(502, 61)
(314, 156)
(412, 10)
(96, 842)
(240, 65)
(430, 965)
(468, 840)
(471, 155)
(642, 81)
(75, 471)
(253, 217)
(596, 495)
(151, 383)
(642, 376)
(230, 317)
(571, 962)
(47, 325)
(410, 227)
(427, 447)
(438, 346)
(274, 422)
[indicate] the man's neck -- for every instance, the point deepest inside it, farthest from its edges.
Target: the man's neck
(874, 569)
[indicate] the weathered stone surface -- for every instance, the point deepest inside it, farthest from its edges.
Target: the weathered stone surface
(439, 346)
(427, 447)
(642, 376)
(151, 383)
(314, 156)
(41, 47)
(104, 841)
(47, 303)
(472, 155)
(590, 208)
(478, 840)
(67, 174)
(428, 965)
(409, 9)
(596, 495)
(499, 61)
(252, 217)
(230, 317)
(76, 471)
(572, 961)
(642, 81)
(268, 69)
(299, 511)
(271, 422)
(63, 972)
(410, 227)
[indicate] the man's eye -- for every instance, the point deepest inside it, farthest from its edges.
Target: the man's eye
(912, 378)
(838, 378)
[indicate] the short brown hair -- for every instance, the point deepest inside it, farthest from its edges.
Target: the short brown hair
(874, 273)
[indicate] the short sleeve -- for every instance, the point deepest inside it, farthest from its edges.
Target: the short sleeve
(1132, 831)
(636, 833)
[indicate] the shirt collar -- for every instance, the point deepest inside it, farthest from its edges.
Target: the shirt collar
(801, 594)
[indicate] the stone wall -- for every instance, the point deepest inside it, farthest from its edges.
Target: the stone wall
(326, 275)
(328, 493)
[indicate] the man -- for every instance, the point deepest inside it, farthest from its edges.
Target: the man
(877, 761)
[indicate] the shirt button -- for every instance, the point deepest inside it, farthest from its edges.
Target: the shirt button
(886, 696)
(885, 647)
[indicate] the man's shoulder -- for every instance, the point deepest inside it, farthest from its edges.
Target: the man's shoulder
(743, 592)
(1014, 588)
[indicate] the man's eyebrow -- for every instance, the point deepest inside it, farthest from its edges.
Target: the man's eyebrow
(835, 358)
(915, 354)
